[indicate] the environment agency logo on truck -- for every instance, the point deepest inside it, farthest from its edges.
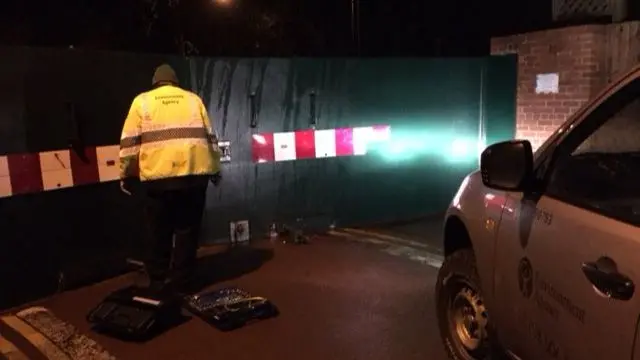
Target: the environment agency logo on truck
(525, 278)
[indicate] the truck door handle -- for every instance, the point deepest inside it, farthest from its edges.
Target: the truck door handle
(604, 276)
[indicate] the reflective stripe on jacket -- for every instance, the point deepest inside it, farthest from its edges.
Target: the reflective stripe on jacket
(167, 134)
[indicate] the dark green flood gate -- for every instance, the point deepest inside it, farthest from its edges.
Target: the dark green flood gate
(441, 113)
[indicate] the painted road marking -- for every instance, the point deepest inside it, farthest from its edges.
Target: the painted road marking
(383, 236)
(415, 255)
(10, 351)
(418, 253)
(391, 238)
(44, 345)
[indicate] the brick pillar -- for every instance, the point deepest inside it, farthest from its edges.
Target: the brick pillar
(577, 54)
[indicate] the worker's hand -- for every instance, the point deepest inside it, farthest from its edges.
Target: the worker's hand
(216, 178)
(123, 188)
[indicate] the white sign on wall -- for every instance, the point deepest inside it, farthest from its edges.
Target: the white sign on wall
(547, 83)
(239, 231)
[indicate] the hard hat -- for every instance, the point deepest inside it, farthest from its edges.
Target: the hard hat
(164, 73)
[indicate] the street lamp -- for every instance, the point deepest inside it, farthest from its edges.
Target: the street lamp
(223, 2)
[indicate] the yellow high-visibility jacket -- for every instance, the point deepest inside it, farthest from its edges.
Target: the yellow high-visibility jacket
(168, 134)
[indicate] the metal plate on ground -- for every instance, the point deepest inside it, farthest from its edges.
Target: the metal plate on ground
(63, 335)
(230, 308)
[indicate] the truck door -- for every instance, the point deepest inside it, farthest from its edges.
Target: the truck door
(568, 252)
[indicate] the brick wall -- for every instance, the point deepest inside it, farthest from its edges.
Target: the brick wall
(585, 58)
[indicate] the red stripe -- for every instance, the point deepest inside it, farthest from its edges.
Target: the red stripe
(305, 144)
(262, 148)
(84, 167)
(26, 176)
(344, 142)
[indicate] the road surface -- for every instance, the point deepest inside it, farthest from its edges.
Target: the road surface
(427, 230)
(347, 296)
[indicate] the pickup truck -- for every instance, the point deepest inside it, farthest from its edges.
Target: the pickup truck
(542, 250)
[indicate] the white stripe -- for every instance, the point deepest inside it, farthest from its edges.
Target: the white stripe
(10, 351)
(382, 133)
(5, 180)
(284, 145)
(386, 237)
(175, 142)
(57, 179)
(56, 169)
(146, 300)
(5, 186)
(4, 166)
(129, 151)
(108, 158)
(325, 143)
(415, 255)
(175, 125)
(418, 254)
(361, 137)
(43, 344)
(129, 134)
(55, 160)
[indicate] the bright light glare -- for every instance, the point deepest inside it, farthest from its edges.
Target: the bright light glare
(462, 149)
(397, 148)
(459, 148)
(380, 133)
(260, 139)
(223, 2)
(456, 199)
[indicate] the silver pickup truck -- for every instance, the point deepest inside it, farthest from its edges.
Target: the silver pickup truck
(543, 249)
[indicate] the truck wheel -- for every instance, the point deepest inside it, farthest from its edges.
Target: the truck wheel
(462, 316)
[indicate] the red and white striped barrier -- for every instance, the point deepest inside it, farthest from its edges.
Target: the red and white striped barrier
(315, 144)
(59, 169)
(50, 170)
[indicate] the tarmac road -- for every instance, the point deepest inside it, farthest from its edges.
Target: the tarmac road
(338, 299)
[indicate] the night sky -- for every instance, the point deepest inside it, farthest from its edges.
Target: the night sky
(272, 27)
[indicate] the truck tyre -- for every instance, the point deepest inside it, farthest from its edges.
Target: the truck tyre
(462, 316)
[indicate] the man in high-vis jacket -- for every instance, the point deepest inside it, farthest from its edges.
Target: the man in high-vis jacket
(168, 144)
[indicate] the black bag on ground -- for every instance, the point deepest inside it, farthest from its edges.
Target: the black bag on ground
(135, 313)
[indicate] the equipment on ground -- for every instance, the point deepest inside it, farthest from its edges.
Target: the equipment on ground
(296, 232)
(135, 313)
(230, 308)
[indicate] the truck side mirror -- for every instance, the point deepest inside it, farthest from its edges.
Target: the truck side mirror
(507, 165)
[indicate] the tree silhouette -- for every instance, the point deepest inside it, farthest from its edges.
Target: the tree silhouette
(187, 27)
(183, 24)
(265, 28)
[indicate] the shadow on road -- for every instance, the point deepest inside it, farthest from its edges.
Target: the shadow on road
(229, 264)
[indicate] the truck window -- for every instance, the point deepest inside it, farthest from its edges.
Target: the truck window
(618, 135)
(599, 167)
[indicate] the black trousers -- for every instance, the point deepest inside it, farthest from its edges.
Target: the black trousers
(174, 217)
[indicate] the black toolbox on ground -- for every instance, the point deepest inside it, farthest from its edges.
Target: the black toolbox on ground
(135, 313)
